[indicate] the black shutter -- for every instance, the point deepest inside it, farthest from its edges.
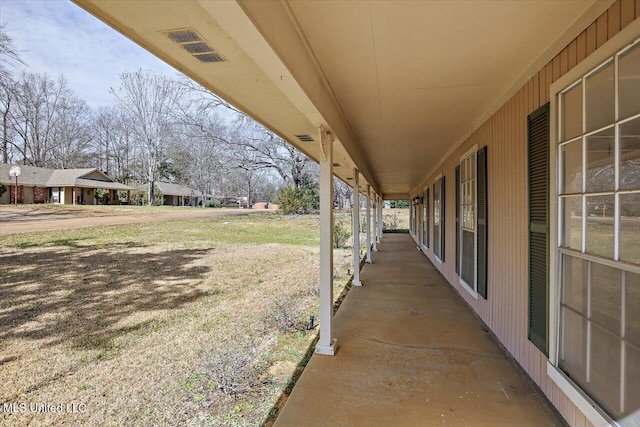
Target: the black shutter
(442, 216)
(482, 221)
(457, 245)
(538, 158)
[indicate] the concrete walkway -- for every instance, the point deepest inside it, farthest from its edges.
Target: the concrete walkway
(410, 353)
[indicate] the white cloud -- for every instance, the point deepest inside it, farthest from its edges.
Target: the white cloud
(57, 37)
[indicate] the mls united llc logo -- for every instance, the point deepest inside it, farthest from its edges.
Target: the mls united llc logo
(62, 408)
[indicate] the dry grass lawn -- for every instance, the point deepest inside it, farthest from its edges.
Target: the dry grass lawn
(126, 319)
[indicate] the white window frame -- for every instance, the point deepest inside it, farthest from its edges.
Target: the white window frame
(471, 288)
(425, 233)
(433, 213)
(584, 403)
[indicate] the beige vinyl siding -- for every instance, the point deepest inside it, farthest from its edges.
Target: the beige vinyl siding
(505, 135)
(67, 196)
(95, 175)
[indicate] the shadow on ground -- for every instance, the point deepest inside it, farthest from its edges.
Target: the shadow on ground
(86, 296)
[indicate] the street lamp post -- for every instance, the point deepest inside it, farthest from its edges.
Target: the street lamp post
(15, 172)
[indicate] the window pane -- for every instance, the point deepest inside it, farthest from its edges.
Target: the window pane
(572, 113)
(572, 167)
(629, 82)
(573, 345)
(632, 383)
(605, 369)
(572, 213)
(601, 161)
(600, 101)
(600, 214)
(606, 297)
(468, 256)
(630, 155)
(632, 296)
(472, 162)
(630, 227)
(574, 289)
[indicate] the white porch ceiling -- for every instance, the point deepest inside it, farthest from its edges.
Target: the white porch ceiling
(399, 83)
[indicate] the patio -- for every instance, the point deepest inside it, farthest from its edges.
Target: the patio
(411, 353)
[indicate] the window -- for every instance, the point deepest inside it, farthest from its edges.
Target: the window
(467, 242)
(415, 217)
(598, 156)
(471, 221)
(426, 218)
(438, 218)
(55, 195)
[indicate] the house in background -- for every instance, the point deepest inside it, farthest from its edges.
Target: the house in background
(177, 195)
(63, 186)
(507, 123)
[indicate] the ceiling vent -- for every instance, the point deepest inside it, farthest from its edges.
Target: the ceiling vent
(195, 45)
(304, 138)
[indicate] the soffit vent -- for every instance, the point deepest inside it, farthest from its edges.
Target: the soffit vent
(191, 41)
(304, 138)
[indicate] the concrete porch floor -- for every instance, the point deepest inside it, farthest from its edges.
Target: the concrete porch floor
(411, 353)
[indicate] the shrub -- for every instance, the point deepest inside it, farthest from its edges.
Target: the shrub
(237, 363)
(138, 197)
(390, 221)
(340, 234)
(158, 198)
(102, 196)
(3, 189)
(213, 204)
(313, 283)
(121, 196)
(284, 313)
(303, 200)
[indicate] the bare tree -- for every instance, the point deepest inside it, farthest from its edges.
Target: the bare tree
(106, 126)
(341, 193)
(266, 150)
(49, 121)
(7, 102)
(9, 55)
(150, 100)
(72, 133)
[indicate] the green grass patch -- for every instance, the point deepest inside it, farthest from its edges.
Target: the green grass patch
(201, 233)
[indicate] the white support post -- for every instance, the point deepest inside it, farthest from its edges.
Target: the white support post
(368, 224)
(375, 223)
(380, 222)
(327, 343)
(356, 227)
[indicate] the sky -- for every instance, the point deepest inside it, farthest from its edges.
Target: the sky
(57, 37)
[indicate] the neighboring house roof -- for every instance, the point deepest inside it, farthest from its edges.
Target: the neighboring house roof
(67, 177)
(30, 175)
(171, 189)
(95, 183)
(46, 177)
